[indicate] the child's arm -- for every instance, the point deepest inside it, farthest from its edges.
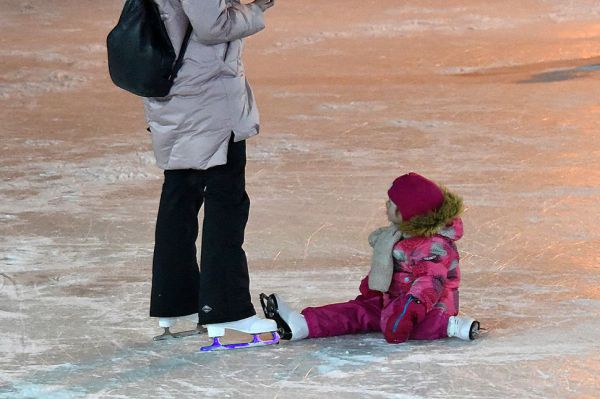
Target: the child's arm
(430, 264)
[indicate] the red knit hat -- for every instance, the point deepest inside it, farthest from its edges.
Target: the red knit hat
(415, 195)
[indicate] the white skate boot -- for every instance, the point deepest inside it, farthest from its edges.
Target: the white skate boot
(250, 325)
(463, 327)
(291, 324)
(168, 322)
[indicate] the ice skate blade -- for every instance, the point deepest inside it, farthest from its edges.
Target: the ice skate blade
(479, 333)
(168, 335)
(256, 341)
(474, 330)
(271, 311)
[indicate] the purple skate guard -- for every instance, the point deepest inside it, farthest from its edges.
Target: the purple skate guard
(256, 341)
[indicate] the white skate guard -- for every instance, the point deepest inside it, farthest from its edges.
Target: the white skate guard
(168, 322)
(250, 325)
(291, 324)
(463, 327)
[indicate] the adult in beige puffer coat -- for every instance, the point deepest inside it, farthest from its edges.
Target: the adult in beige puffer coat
(198, 134)
(210, 97)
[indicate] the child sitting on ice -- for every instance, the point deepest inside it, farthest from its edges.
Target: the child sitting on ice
(411, 291)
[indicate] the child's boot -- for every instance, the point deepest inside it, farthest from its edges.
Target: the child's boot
(291, 324)
(463, 327)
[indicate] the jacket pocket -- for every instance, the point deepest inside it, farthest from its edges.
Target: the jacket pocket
(229, 54)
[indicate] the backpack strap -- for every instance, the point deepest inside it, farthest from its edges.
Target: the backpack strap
(179, 61)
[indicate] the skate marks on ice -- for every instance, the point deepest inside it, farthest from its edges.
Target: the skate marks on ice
(366, 366)
(67, 185)
(167, 370)
(48, 70)
(397, 22)
(360, 366)
(104, 356)
(401, 22)
(523, 330)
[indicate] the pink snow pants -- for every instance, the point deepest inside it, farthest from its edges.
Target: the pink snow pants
(370, 313)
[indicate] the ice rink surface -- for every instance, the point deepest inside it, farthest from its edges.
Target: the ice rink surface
(499, 101)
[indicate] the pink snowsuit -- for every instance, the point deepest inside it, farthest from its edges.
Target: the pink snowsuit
(425, 268)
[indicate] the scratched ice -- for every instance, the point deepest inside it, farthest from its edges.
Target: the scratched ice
(497, 100)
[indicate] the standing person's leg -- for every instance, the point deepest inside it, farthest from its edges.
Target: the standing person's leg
(224, 282)
(175, 266)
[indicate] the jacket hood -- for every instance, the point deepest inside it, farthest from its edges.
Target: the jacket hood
(443, 221)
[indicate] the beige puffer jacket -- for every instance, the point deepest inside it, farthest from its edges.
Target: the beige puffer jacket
(210, 97)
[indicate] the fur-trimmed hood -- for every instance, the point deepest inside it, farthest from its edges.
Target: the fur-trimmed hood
(436, 222)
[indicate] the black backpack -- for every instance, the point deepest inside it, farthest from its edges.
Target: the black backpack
(141, 58)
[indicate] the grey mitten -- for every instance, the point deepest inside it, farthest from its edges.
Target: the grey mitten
(382, 262)
(374, 236)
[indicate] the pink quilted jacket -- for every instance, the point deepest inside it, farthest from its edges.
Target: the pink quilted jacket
(426, 268)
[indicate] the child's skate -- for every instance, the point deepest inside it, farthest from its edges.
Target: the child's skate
(290, 324)
(168, 322)
(251, 325)
(463, 327)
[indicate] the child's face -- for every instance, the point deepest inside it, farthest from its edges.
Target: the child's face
(392, 212)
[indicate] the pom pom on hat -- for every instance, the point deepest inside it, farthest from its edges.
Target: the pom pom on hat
(414, 195)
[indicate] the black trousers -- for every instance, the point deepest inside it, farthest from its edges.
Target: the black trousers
(219, 291)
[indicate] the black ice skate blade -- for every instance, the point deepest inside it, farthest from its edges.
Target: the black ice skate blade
(476, 331)
(168, 335)
(271, 310)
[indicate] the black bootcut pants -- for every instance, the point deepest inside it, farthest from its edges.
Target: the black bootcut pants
(219, 292)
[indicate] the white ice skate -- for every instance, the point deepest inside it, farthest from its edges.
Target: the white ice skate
(250, 325)
(168, 322)
(291, 324)
(463, 327)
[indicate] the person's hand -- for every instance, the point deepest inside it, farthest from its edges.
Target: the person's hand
(404, 317)
(374, 236)
(264, 4)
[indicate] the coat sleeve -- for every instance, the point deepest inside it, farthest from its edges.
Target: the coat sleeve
(431, 262)
(215, 22)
